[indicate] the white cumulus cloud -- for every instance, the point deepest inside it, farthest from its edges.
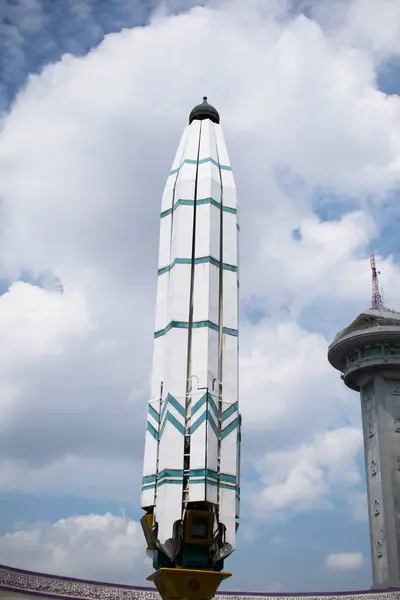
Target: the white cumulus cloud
(309, 475)
(344, 561)
(103, 547)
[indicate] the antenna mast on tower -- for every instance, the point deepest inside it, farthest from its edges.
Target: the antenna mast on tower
(377, 300)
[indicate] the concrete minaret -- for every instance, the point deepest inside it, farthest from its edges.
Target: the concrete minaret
(191, 463)
(368, 355)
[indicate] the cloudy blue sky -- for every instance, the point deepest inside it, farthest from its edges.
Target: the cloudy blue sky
(94, 96)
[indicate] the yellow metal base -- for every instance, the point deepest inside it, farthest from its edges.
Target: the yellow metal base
(187, 584)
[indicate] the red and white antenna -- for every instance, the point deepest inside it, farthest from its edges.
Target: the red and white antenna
(377, 299)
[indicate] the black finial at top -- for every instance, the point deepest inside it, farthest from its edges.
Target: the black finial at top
(204, 111)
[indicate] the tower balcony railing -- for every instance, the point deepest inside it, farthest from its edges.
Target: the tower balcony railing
(368, 324)
(373, 353)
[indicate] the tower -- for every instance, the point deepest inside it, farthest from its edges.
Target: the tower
(190, 487)
(367, 353)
